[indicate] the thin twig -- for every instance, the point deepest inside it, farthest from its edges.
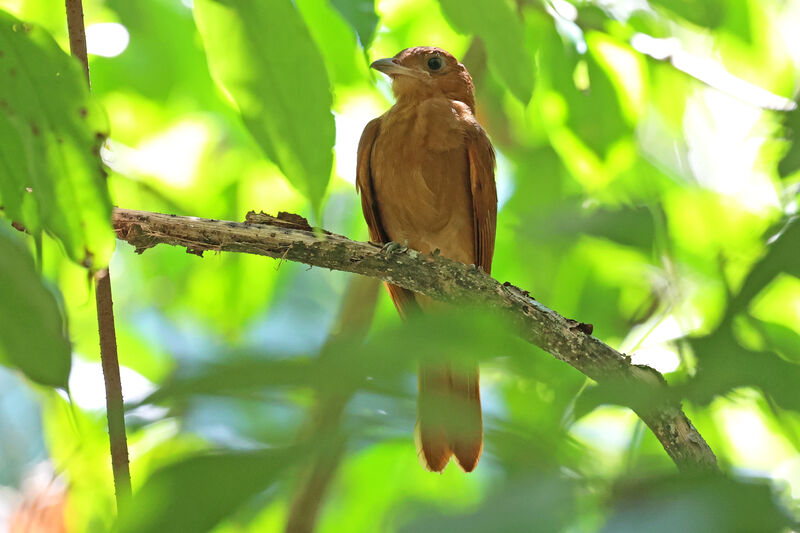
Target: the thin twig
(114, 403)
(77, 34)
(445, 280)
(115, 408)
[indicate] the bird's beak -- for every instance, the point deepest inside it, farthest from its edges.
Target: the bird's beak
(390, 68)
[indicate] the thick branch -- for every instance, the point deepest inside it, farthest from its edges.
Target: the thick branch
(290, 237)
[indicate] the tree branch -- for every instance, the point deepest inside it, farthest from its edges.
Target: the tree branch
(289, 237)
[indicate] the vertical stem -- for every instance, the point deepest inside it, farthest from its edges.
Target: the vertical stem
(77, 34)
(115, 408)
(114, 403)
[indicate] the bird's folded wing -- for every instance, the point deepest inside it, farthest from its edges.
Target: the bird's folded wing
(484, 195)
(403, 299)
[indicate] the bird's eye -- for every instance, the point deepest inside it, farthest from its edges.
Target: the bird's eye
(435, 63)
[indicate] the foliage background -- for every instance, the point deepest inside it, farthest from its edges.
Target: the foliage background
(633, 196)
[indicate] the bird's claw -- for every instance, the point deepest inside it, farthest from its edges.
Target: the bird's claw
(395, 247)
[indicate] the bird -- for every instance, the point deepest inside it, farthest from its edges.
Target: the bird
(425, 173)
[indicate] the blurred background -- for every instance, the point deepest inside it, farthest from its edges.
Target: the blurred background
(648, 184)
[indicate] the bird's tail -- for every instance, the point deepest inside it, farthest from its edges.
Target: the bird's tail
(449, 411)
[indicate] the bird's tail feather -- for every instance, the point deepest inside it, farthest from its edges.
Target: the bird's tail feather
(449, 411)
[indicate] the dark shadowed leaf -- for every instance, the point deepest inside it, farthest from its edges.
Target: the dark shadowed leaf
(195, 494)
(32, 334)
(723, 365)
(782, 257)
(51, 176)
(781, 338)
(791, 161)
(627, 225)
(360, 14)
(542, 503)
(265, 58)
(695, 504)
(501, 30)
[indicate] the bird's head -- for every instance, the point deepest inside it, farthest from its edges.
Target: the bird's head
(424, 71)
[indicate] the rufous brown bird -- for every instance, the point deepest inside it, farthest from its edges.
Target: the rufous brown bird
(426, 176)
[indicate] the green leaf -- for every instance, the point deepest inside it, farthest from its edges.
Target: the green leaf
(264, 56)
(724, 365)
(693, 503)
(51, 175)
(626, 225)
(782, 256)
(195, 494)
(542, 503)
(503, 33)
(781, 338)
(32, 334)
(593, 113)
(360, 14)
(790, 163)
(708, 13)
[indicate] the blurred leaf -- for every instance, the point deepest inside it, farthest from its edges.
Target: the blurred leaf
(708, 13)
(790, 163)
(51, 176)
(32, 335)
(240, 376)
(592, 113)
(347, 365)
(620, 392)
(360, 14)
(263, 55)
(164, 62)
(782, 256)
(626, 225)
(781, 338)
(195, 494)
(695, 504)
(337, 43)
(723, 365)
(541, 503)
(502, 31)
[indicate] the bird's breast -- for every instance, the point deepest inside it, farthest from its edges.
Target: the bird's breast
(420, 172)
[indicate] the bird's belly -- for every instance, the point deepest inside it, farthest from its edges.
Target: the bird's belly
(425, 199)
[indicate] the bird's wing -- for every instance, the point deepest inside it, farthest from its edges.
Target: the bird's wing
(403, 299)
(364, 182)
(484, 195)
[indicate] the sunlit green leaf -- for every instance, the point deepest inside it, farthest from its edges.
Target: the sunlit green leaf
(501, 30)
(709, 13)
(263, 55)
(32, 334)
(51, 176)
(588, 104)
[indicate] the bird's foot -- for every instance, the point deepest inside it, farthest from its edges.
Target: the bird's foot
(392, 247)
